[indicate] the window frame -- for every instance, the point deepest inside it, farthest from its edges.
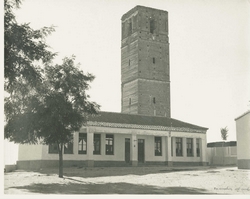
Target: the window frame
(189, 147)
(198, 149)
(158, 146)
(53, 149)
(69, 147)
(109, 144)
(178, 146)
(81, 143)
(97, 137)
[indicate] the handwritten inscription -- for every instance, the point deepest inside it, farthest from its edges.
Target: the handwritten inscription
(232, 189)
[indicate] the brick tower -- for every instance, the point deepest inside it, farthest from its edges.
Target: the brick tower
(145, 62)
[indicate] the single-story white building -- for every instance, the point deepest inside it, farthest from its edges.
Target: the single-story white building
(118, 139)
(243, 140)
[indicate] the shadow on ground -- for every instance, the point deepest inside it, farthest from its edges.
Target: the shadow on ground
(104, 171)
(108, 188)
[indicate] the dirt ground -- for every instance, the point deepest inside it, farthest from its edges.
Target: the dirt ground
(130, 180)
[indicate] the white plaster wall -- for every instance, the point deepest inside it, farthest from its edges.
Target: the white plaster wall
(119, 145)
(203, 153)
(30, 152)
(215, 154)
(243, 137)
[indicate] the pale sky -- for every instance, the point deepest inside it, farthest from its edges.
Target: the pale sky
(209, 52)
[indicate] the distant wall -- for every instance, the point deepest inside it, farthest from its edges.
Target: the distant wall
(243, 140)
(30, 152)
(9, 168)
(219, 155)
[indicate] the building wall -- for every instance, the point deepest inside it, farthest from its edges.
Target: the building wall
(145, 57)
(243, 140)
(118, 158)
(30, 152)
(42, 157)
(154, 97)
(222, 155)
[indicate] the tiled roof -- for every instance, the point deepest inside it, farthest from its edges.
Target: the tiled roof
(123, 120)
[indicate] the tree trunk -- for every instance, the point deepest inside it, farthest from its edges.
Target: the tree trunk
(223, 163)
(60, 160)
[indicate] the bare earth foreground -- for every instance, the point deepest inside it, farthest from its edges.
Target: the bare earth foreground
(129, 180)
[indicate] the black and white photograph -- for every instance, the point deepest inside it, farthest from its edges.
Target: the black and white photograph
(128, 97)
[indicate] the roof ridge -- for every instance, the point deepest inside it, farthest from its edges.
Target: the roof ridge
(137, 114)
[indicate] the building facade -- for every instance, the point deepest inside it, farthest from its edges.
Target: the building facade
(117, 139)
(144, 133)
(243, 140)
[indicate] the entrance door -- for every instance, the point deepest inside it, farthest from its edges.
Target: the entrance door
(141, 150)
(127, 150)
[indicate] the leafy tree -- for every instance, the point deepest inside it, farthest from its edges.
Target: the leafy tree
(51, 112)
(224, 135)
(45, 103)
(23, 47)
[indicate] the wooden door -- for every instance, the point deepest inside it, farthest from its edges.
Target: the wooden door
(141, 150)
(127, 150)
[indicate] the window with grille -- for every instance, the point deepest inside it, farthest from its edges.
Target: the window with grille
(198, 147)
(53, 149)
(68, 148)
(158, 146)
(178, 144)
(97, 144)
(109, 144)
(82, 143)
(189, 147)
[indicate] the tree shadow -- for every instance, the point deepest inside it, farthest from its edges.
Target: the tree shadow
(86, 172)
(107, 188)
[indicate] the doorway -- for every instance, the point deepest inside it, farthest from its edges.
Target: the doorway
(127, 150)
(141, 153)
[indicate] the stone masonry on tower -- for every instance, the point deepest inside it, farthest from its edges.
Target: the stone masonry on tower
(145, 62)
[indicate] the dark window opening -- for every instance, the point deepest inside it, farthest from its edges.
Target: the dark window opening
(68, 147)
(178, 142)
(152, 25)
(109, 144)
(97, 144)
(53, 149)
(198, 147)
(82, 143)
(189, 147)
(154, 101)
(153, 60)
(158, 146)
(130, 28)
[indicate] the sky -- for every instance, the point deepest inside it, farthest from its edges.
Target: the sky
(209, 53)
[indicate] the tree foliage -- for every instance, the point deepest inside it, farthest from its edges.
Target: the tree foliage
(53, 110)
(46, 103)
(224, 133)
(58, 106)
(22, 47)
